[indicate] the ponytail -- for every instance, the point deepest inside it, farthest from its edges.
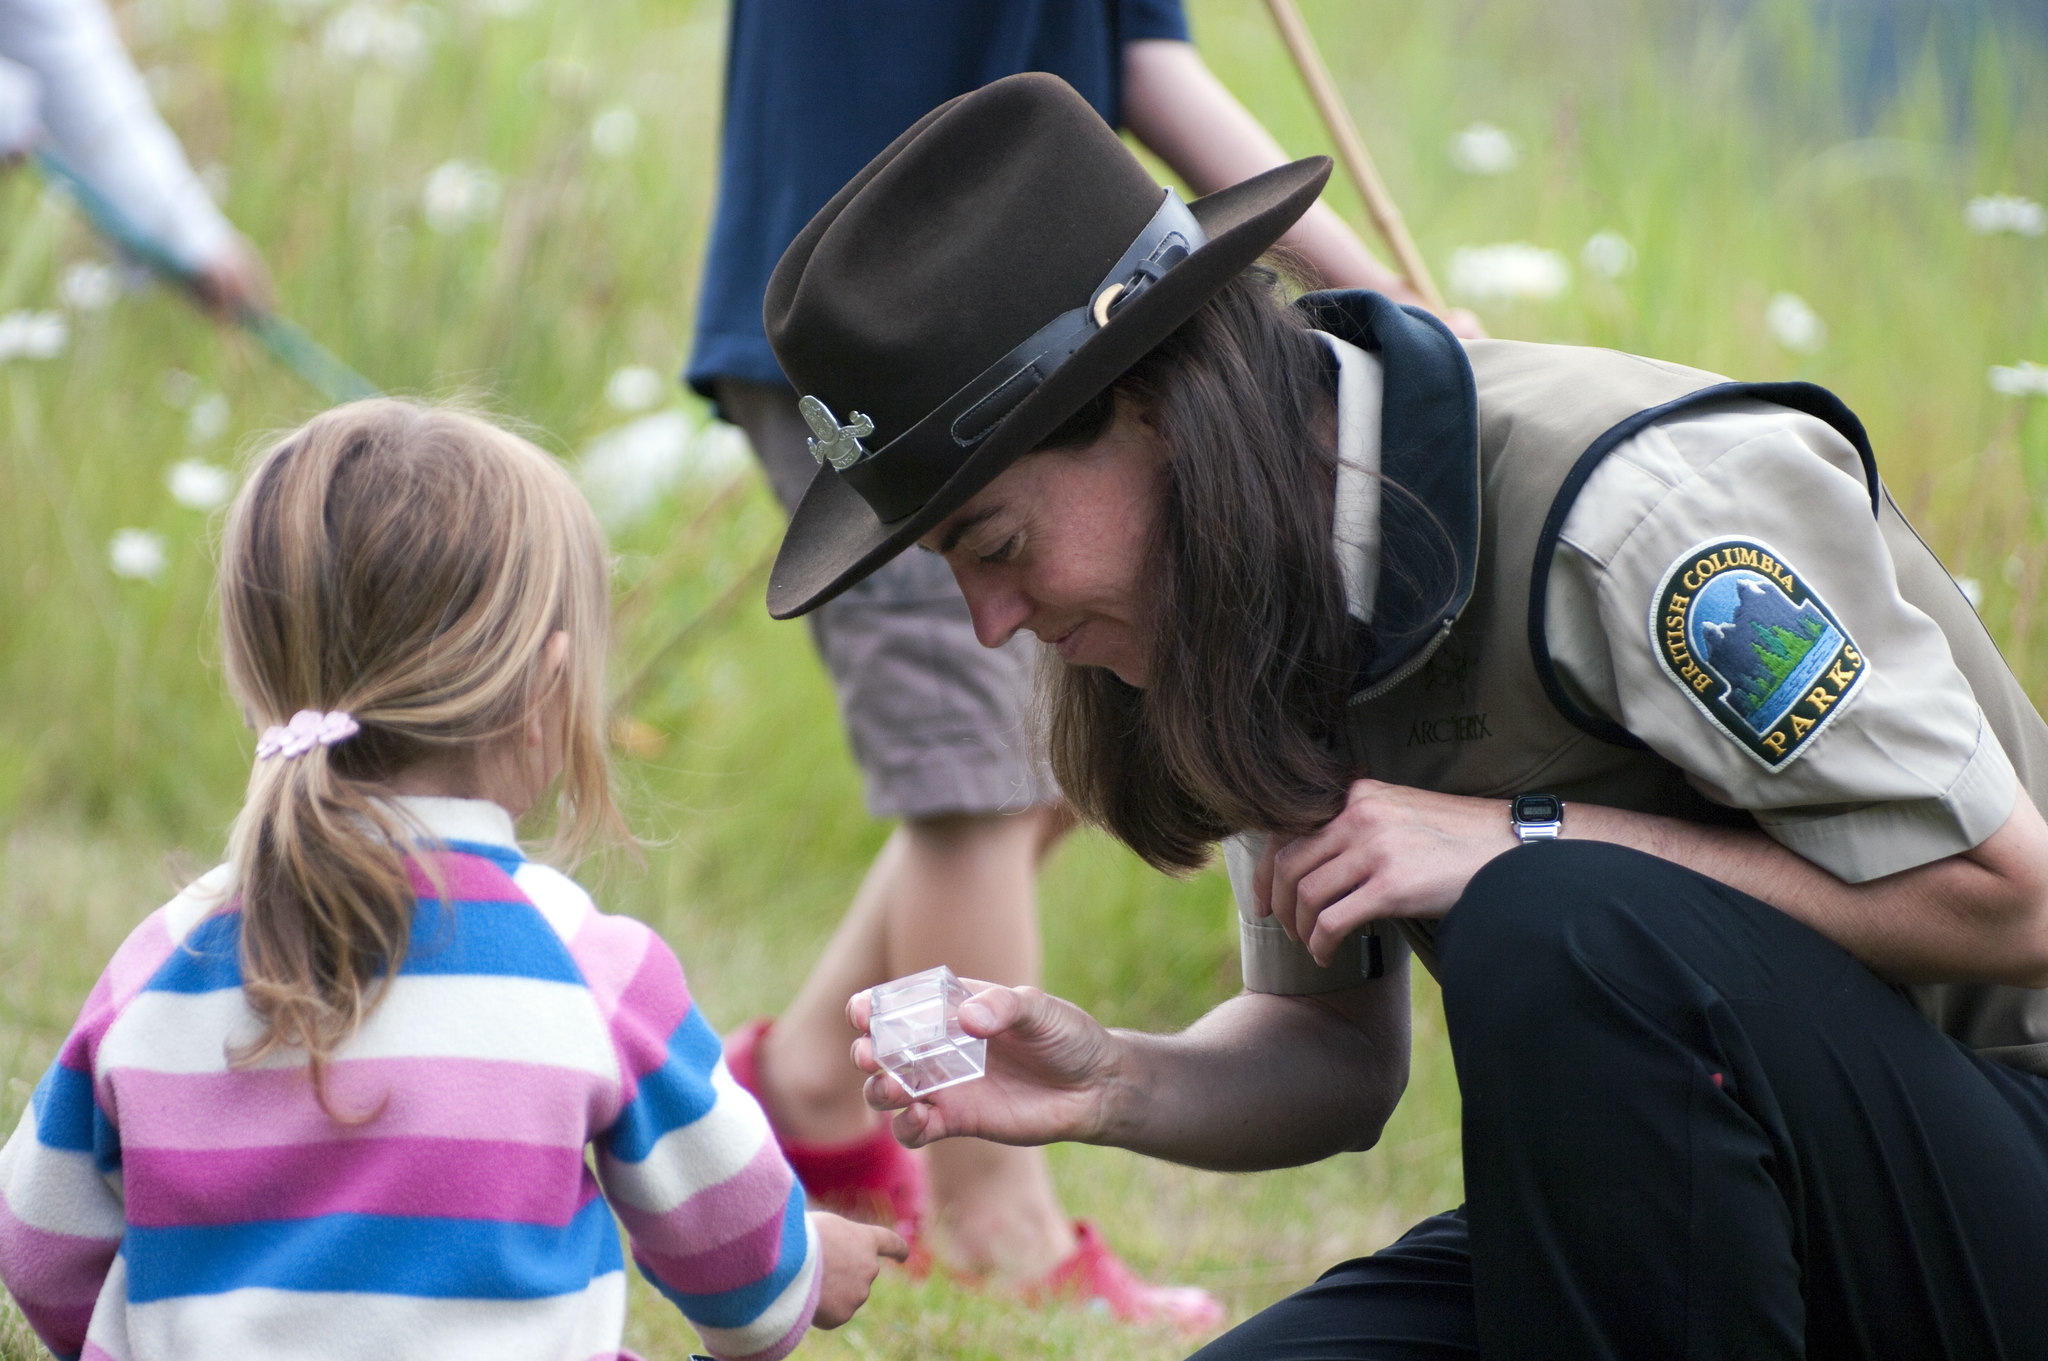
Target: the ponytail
(404, 566)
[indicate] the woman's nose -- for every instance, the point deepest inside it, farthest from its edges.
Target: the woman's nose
(998, 610)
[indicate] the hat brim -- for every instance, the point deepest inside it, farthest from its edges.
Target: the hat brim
(834, 537)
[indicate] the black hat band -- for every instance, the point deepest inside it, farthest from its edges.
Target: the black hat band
(897, 479)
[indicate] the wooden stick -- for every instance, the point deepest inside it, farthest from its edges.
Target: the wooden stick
(1301, 44)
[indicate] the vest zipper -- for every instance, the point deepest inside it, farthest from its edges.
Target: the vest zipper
(1407, 668)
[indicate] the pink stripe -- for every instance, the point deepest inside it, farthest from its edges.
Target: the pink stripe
(718, 1214)
(609, 952)
(443, 1178)
(95, 1352)
(54, 1277)
(650, 1009)
(465, 877)
(742, 1261)
(431, 1098)
(131, 968)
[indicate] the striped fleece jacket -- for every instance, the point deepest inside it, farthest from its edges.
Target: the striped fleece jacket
(159, 1200)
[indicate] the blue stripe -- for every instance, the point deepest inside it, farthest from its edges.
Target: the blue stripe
(376, 1254)
(503, 939)
(65, 1110)
(738, 1307)
(676, 1094)
(207, 960)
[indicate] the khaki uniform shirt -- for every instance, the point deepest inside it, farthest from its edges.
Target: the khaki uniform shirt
(1904, 772)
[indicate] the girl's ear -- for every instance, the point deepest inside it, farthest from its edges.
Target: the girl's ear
(554, 655)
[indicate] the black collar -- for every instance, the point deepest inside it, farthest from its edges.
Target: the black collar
(1429, 458)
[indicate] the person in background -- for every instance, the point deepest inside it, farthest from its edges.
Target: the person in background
(66, 80)
(814, 90)
(377, 1086)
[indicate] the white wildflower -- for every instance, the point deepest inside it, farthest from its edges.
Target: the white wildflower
(137, 554)
(1994, 213)
(1973, 591)
(1508, 271)
(207, 419)
(89, 287)
(33, 335)
(1795, 325)
(199, 485)
(635, 388)
(2024, 379)
(615, 130)
(1484, 149)
(459, 194)
(364, 35)
(213, 178)
(1608, 254)
(177, 388)
(628, 471)
(625, 472)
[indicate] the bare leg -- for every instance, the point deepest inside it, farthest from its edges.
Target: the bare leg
(956, 890)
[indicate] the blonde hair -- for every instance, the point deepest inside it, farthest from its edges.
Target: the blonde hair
(406, 564)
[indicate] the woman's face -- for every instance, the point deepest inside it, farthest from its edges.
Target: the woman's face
(1057, 546)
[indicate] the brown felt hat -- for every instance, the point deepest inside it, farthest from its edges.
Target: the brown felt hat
(999, 264)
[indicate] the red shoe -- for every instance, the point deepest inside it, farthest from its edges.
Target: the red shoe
(1096, 1277)
(872, 1178)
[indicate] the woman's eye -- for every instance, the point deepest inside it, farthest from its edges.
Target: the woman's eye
(1004, 553)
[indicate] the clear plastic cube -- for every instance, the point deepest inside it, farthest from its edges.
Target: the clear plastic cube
(915, 1025)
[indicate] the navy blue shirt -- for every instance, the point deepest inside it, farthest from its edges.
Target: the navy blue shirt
(815, 88)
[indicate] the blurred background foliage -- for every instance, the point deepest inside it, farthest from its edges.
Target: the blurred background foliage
(506, 200)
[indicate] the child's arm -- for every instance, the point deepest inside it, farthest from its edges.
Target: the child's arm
(61, 1220)
(715, 1215)
(1175, 105)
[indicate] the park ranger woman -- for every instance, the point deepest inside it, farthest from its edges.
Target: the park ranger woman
(1619, 694)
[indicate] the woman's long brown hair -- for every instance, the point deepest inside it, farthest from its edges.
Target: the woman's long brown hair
(406, 564)
(1240, 724)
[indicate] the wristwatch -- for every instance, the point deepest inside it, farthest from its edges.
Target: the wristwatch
(1536, 817)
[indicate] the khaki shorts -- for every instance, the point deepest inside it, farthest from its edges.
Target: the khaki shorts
(939, 723)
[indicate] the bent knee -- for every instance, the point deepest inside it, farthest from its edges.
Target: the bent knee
(1530, 905)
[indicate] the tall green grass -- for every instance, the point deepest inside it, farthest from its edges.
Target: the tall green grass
(1713, 138)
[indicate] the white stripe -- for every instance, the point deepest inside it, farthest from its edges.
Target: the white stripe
(556, 896)
(201, 897)
(525, 1020)
(710, 1149)
(57, 1190)
(109, 1326)
(308, 1326)
(778, 1318)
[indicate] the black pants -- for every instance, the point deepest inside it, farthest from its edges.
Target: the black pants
(1694, 1129)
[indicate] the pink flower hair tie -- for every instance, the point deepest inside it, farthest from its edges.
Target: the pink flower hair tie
(309, 728)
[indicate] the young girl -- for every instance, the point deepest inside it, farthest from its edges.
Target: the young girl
(334, 1100)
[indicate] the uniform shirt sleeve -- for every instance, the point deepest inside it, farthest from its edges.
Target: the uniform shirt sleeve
(716, 1218)
(1904, 770)
(1272, 961)
(96, 110)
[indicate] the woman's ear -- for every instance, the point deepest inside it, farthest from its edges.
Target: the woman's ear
(554, 655)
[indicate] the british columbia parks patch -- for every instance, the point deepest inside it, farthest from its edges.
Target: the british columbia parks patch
(1760, 653)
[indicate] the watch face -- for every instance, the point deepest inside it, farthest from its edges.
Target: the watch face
(1538, 808)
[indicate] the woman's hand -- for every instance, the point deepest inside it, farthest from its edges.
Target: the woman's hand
(1050, 1067)
(1393, 852)
(850, 1257)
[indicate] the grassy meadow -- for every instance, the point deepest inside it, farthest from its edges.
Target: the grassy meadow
(1713, 138)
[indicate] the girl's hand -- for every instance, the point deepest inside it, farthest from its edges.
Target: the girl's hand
(1050, 1068)
(1393, 852)
(850, 1256)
